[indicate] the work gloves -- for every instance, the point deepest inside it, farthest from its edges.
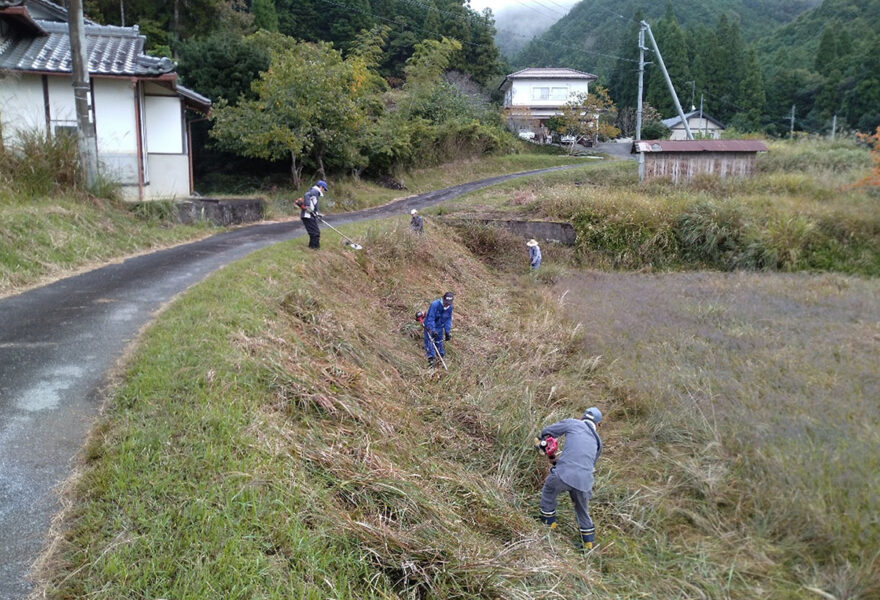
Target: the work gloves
(448, 337)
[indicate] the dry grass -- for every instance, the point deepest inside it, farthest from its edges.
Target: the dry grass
(756, 397)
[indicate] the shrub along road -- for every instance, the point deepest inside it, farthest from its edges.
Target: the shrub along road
(58, 342)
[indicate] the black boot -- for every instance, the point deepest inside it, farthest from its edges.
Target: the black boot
(431, 362)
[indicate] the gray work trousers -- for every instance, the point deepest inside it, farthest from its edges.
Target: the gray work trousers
(554, 486)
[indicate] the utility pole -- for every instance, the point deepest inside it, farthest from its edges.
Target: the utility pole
(791, 128)
(85, 130)
(693, 87)
(687, 128)
(833, 127)
(639, 104)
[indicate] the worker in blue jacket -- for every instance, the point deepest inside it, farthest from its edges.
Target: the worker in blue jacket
(572, 471)
(438, 324)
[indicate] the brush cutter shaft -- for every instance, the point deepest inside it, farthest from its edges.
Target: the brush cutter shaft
(345, 237)
(436, 349)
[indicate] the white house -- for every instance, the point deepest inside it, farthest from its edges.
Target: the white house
(137, 105)
(533, 95)
(701, 124)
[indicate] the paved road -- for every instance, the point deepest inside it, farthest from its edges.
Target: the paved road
(57, 343)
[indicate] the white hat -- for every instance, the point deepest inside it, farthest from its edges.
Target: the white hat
(413, 211)
(532, 242)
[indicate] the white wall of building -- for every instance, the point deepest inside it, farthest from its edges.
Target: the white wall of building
(548, 93)
(115, 125)
(698, 126)
(23, 108)
(174, 181)
(21, 104)
(163, 118)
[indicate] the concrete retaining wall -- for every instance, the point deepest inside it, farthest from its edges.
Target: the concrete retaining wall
(219, 211)
(547, 231)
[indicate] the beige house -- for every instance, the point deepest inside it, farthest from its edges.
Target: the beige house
(531, 96)
(702, 126)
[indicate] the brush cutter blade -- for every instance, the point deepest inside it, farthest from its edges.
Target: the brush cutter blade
(354, 246)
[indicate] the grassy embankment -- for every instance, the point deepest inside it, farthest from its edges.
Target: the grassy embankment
(797, 214)
(48, 229)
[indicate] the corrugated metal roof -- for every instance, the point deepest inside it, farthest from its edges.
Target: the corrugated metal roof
(699, 146)
(551, 73)
(111, 50)
(672, 122)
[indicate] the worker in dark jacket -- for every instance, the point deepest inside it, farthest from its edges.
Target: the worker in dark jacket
(416, 223)
(309, 214)
(573, 470)
(438, 324)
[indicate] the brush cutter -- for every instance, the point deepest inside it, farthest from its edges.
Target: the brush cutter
(348, 241)
(420, 317)
(548, 446)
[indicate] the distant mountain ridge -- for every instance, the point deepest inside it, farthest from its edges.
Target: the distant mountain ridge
(593, 31)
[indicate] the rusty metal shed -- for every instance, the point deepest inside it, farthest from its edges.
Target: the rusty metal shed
(682, 160)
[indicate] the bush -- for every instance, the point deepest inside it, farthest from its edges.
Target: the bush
(37, 164)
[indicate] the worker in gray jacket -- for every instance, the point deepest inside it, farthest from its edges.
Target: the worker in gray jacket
(573, 470)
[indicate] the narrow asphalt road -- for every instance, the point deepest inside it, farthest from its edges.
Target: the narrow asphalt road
(57, 343)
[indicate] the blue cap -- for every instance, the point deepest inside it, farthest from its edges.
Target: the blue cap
(593, 414)
(322, 183)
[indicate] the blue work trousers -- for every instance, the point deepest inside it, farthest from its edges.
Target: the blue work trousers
(429, 348)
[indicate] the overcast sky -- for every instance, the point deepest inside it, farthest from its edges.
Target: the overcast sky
(539, 5)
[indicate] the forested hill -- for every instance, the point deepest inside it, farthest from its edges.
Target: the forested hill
(171, 24)
(595, 29)
(826, 62)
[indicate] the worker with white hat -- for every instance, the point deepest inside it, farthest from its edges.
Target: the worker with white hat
(415, 223)
(534, 254)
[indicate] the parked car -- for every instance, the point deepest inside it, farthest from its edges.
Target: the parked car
(527, 135)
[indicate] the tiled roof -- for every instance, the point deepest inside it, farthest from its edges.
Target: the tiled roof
(673, 121)
(699, 146)
(111, 50)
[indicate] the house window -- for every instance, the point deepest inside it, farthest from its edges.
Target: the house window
(559, 93)
(541, 93)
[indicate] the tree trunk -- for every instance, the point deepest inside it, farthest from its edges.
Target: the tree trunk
(320, 159)
(176, 27)
(295, 171)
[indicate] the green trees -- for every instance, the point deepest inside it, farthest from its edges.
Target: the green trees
(306, 102)
(265, 15)
(588, 117)
(673, 47)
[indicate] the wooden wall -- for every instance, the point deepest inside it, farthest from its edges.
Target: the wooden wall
(684, 166)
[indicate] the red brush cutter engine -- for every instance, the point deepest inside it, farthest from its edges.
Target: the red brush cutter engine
(420, 316)
(548, 446)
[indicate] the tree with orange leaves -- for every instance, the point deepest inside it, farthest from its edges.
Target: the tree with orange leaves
(873, 141)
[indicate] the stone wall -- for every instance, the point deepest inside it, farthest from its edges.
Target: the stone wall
(219, 211)
(546, 231)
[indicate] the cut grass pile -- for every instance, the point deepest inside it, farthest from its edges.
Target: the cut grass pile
(799, 213)
(45, 237)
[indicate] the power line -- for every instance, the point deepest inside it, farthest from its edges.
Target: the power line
(471, 17)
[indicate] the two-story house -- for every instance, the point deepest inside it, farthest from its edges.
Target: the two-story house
(136, 102)
(533, 95)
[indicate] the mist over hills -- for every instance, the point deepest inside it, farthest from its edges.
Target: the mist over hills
(517, 25)
(594, 29)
